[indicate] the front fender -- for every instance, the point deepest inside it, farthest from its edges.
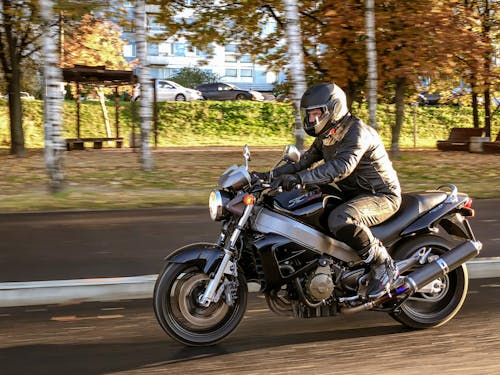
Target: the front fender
(205, 255)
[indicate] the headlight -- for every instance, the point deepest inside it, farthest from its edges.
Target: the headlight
(216, 204)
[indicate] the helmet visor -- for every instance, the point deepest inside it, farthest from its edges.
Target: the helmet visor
(314, 118)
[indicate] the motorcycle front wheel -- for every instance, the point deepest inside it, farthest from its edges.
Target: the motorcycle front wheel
(176, 294)
(432, 309)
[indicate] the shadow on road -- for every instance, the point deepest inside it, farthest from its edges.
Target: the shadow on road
(95, 359)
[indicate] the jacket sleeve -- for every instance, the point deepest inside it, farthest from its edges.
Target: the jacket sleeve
(351, 149)
(312, 155)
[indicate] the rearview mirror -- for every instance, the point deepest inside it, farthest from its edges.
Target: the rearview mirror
(291, 153)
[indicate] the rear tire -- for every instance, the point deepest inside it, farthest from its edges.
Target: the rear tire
(426, 310)
(180, 98)
(180, 315)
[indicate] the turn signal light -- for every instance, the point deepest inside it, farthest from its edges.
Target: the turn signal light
(249, 200)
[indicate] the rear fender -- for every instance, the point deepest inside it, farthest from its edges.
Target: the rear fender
(206, 255)
(457, 225)
(446, 213)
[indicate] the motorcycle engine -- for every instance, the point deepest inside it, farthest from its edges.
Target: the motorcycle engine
(320, 285)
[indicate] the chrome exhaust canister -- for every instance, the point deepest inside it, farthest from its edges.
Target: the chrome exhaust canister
(424, 275)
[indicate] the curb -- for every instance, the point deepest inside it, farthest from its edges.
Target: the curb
(32, 293)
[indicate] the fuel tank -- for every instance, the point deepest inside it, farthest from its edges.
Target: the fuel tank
(267, 221)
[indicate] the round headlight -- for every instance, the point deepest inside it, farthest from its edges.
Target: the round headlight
(215, 205)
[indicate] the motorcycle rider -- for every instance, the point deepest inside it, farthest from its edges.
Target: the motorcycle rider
(354, 159)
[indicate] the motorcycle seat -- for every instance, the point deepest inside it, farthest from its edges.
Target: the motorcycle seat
(413, 205)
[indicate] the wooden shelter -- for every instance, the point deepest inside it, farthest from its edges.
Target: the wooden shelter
(96, 75)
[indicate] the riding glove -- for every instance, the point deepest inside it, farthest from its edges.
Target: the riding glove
(288, 181)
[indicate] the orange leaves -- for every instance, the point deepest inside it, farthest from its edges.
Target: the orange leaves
(94, 42)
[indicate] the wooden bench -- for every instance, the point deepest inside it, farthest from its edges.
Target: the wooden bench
(459, 139)
(79, 143)
(492, 147)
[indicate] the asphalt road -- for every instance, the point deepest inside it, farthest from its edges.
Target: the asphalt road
(124, 338)
(91, 244)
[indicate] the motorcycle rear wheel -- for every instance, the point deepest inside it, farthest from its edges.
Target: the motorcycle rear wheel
(176, 306)
(427, 310)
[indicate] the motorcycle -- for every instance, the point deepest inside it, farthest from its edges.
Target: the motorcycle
(281, 241)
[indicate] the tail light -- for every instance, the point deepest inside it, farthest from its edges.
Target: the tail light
(467, 209)
(468, 204)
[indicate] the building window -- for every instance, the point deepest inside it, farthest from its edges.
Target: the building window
(246, 59)
(129, 50)
(246, 73)
(179, 49)
(200, 53)
(230, 48)
(164, 49)
(156, 72)
(153, 25)
(231, 73)
(172, 72)
(230, 58)
(153, 49)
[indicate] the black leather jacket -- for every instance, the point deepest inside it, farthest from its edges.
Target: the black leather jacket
(354, 157)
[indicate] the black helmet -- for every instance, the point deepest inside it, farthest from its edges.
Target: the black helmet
(331, 100)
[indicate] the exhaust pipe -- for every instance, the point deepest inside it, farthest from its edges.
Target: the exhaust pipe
(443, 265)
(424, 275)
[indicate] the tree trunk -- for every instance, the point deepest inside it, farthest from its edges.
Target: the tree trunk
(371, 54)
(104, 110)
(296, 64)
(486, 23)
(350, 92)
(12, 73)
(487, 112)
(400, 114)
(475, 105)
(54, 143)
(16, 112)
(145, 110)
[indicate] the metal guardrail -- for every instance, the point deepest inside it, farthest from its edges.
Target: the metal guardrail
(137, 287)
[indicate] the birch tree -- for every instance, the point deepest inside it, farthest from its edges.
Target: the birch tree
(145, 110)
(371, 56)
(296, 64)
(52, 101)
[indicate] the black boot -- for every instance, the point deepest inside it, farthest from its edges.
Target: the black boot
(383, 271)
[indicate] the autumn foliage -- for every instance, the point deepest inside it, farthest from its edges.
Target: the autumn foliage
(95, 42)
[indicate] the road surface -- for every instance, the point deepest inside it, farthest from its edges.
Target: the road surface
(124, 338)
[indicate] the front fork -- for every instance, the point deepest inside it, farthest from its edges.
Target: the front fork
(226, 266)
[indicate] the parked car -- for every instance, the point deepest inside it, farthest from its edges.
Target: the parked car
(170, 91)
(226, 91)
(24, 95)
(428, 98)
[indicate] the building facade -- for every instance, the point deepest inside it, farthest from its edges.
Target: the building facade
(168, 56)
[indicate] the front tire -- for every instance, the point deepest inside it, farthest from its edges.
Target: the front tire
(427, 310)
(180, 315)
